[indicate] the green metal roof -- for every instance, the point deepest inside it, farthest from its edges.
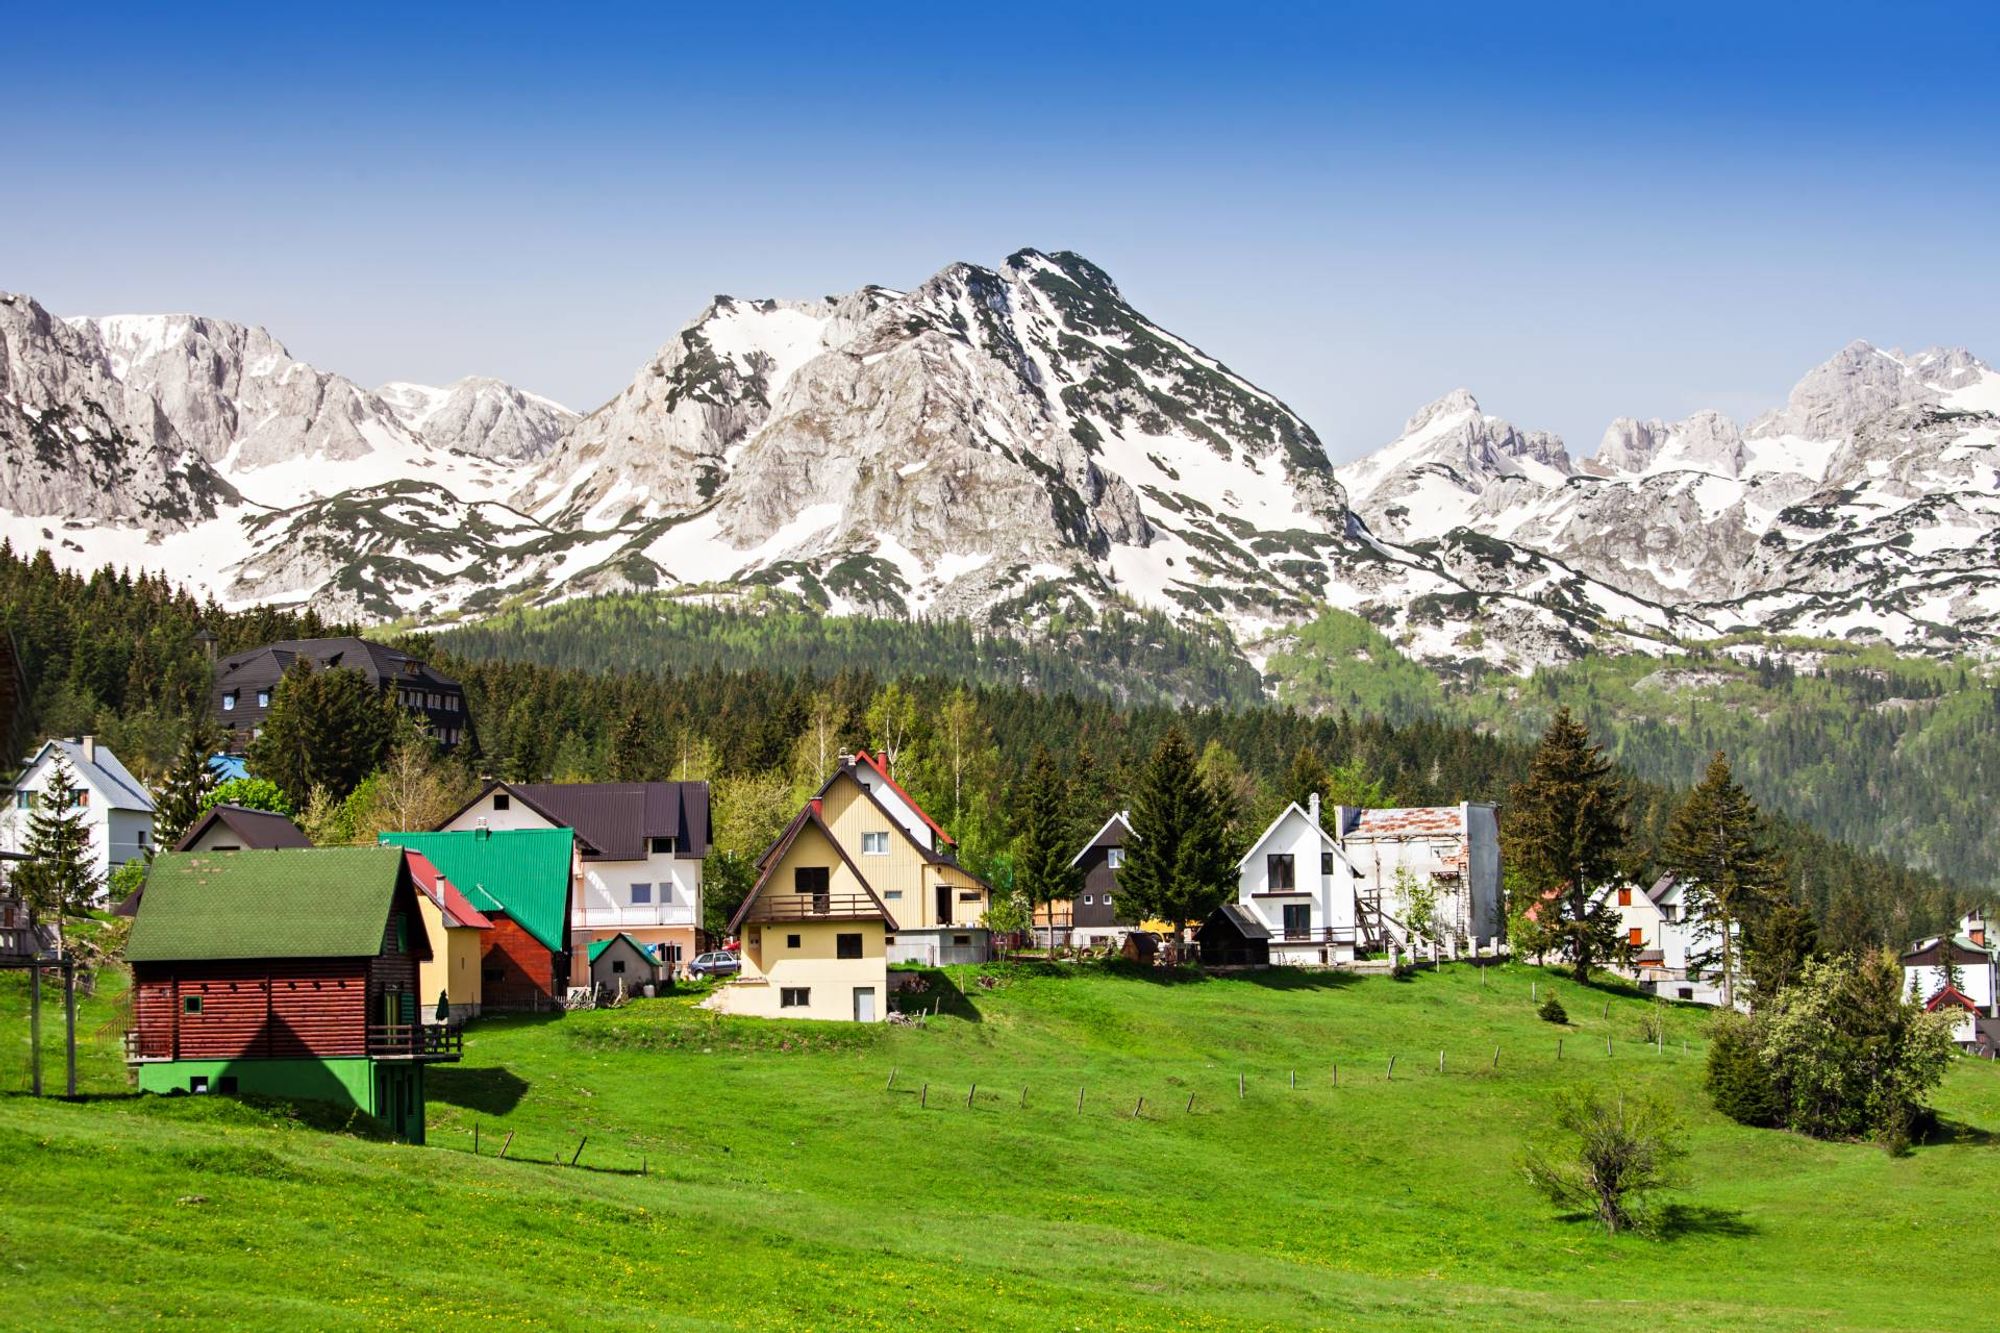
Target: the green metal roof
(288, 902)
(522, 872)
(599, 946)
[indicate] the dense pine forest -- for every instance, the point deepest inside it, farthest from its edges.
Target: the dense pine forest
(760, 709)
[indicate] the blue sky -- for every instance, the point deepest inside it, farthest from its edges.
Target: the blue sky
(1575, 211)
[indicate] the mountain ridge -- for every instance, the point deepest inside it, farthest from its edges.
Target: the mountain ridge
(1006, 443)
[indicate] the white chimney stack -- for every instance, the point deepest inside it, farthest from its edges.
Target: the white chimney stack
(90, 749)
(1312, 807)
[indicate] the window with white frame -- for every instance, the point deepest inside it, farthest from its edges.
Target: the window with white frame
(794, 997)
(642, 894)
(875, 844)
(229, 701)
(263, 698)
(1114, 857)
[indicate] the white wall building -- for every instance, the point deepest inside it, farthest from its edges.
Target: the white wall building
(117, 808)
(1655, 930)
(1298, 884)
(1454, 849)
(1974, 1000)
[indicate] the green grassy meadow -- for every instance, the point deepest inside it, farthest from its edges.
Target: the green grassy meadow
(784, 1185)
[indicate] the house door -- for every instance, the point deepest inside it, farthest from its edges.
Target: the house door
(864, 1004)
(944, 904)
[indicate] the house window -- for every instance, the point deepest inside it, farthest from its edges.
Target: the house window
(190, 1004)
(226, 1084)
(502, 801)
(1088, 900)
(1278, 873)
(402, 935)
(847, 946)
(1635, 937)
(816, 881)
(972, 896)
(229, 701)
(641, 894)
(961, 939)
(791, 941)
(617, 966)
(1326, 863)
(1298, 920)
(1624, 897)
(893, 894)
(663, 846)
(143, 837)
(198, 1083)
(874, 844)
(1107, 900)
(794, 997)
(1114, 857)
(263, 698)
(80, 797)
(24, 800)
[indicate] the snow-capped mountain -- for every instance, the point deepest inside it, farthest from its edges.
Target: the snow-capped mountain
(1868, 504)
(1001, 442)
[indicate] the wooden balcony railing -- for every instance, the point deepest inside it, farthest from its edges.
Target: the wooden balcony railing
(808, 907)
(1314, 935)
(416, 1041)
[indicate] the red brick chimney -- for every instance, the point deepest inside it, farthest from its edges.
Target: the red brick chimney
(818, 808)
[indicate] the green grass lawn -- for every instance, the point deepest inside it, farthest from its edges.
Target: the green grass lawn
(785, 1186)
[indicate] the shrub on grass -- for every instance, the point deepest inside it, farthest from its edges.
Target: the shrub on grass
(1552, 1011)
(1739, 1081)
(1609, 1157)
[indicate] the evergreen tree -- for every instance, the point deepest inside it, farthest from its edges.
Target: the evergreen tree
(1778, 950)
(58, 879)
(1567, 835)
(1043, 845)
(1715, 846)
(1177, 867)
(326, 728)
(188, 783)
(632, 749)
(1305, 779)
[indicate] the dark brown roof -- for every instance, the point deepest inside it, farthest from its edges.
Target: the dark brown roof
(259, 829)
(381, 665)
(1241, 918)
(613, 820)
(1927, 954)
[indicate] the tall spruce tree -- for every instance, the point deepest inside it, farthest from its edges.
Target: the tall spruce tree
(632, 749)
(1305, 779)
(1042, 847)
(1566, 836)
(326, 728)
(58, 879)
(1177, 867)
(1715, 846)
(188, 782)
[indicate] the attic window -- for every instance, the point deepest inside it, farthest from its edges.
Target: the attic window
(229, 701)
(502, 801)
(263, 698)
(1114, 857)
(663, 847)
(190, 1004)
(1624, 897)
(1326, 863)
(875, 844)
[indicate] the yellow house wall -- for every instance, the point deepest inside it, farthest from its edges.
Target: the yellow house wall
(453, 966)
(771, 963)
(905, 880)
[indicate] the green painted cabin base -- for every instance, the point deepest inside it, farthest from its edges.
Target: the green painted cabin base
(391, 1091)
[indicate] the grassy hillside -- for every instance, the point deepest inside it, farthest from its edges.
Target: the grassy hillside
(1887, 754)
(785, 1187)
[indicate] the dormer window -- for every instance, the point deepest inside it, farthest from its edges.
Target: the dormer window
(663, 846)
(263, 698)
(1114, 857)
(229, 701)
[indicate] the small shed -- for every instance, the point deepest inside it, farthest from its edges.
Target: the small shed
(1233, 937)
(622, 959)
(1141, 946)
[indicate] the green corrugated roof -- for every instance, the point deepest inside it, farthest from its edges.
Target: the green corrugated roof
(289, 902)
(522, 872)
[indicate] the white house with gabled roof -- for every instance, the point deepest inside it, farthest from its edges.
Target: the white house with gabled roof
(1298, 884)
(117, 808)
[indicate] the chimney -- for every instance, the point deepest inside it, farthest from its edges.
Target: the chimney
(90, 749)
(818, 807)
(1312, 807)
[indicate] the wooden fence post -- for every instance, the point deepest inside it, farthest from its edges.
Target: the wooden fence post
(1079, 1101)
(1239, 1087)
(968, 1095)
(508, 1144)
(1024, 1096)
(924, 1099)
(1496, 1057)
(892, 1079)
(475, 1138)
(1392, 1069)
(1295, 1080)
(579, 1149)
(1440, 1062)
(1140, 1107)
(1559, 1048)
(1190, 1105)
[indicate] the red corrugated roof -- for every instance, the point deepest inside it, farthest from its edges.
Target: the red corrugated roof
(881, 766)
(1429, 821)
(457, 911)
(1951, 995)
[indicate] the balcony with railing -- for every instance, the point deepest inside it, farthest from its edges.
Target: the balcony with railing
(641, 914)
(815, 906)
(1313, 935)
(415, 1041)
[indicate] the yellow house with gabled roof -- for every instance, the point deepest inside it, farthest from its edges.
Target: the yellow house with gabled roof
(813, 931)
(908, 858)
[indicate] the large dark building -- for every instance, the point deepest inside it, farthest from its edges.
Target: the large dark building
(245, 683)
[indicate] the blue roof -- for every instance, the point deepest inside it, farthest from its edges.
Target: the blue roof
(228, 767)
